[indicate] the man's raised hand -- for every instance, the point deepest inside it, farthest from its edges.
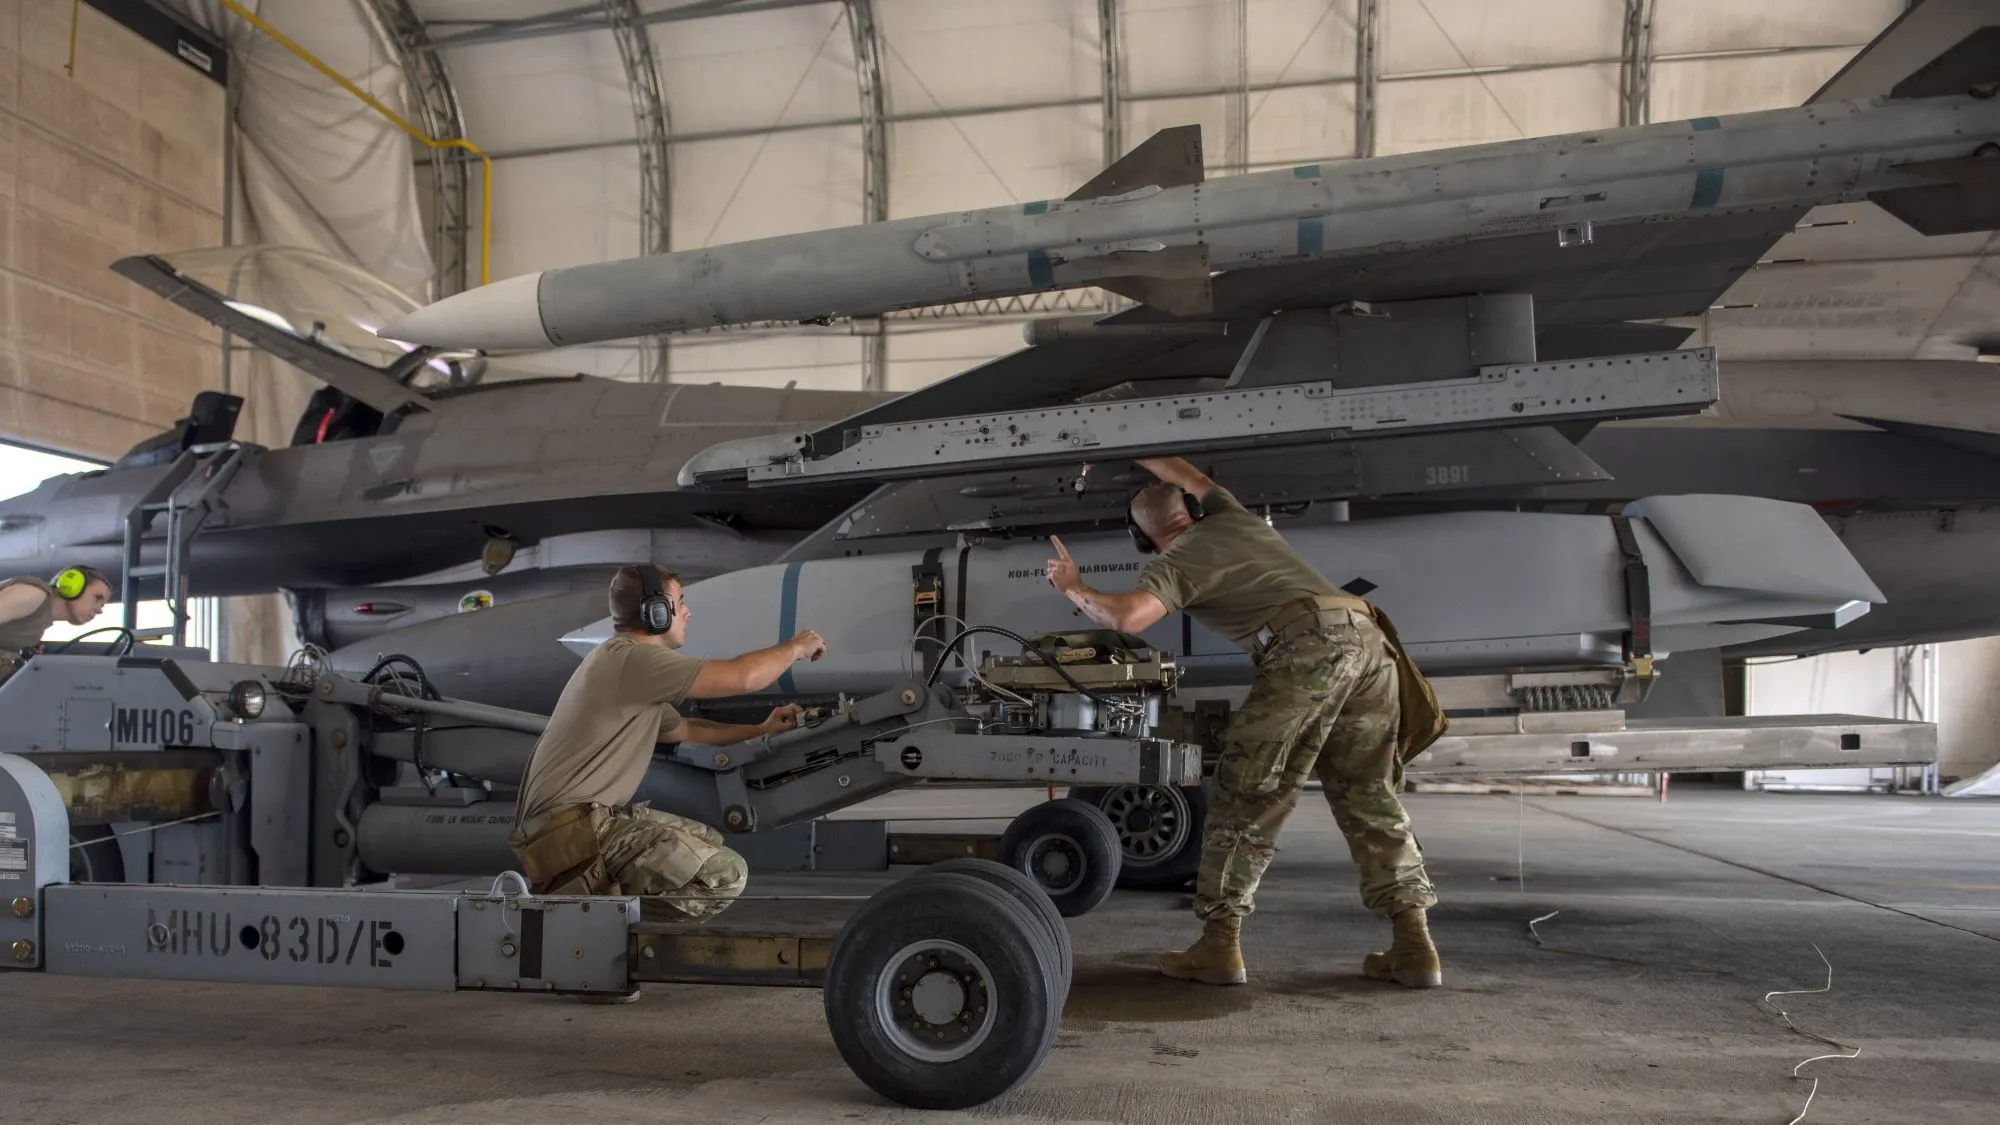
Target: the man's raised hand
(1063, 574)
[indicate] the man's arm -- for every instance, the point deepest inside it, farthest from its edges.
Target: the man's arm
(728, 734)
(1128, 613)
(754, 671)
(1179, 473)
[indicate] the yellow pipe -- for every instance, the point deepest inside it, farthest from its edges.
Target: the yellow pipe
(70, 66)
(486, 187)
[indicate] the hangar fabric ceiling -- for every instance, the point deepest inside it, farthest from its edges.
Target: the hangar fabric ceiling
(618, 128)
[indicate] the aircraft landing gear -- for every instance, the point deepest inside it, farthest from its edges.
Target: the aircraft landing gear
(1159, 831)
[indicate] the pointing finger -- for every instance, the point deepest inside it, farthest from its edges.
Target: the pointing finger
(1057, 543)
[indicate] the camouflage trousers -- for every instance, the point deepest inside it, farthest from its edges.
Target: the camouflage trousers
(680, 867)
(1323, 702)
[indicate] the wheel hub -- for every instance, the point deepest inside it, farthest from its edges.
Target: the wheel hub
(934, 1000)
(1153, 821)
(1057, 863)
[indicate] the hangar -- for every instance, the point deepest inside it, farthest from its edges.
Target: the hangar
(380, 372)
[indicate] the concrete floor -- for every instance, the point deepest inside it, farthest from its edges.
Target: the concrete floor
(1671, 921)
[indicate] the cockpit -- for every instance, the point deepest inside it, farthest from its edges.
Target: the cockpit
(319, 315)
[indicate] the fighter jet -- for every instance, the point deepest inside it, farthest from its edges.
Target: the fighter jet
(407, 460)
(1525, 364)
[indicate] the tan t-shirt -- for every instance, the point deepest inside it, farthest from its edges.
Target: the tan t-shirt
(1231, 571)
(26, 632)
(600, 739)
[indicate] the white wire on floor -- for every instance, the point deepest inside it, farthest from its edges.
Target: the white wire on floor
(1786, 1016)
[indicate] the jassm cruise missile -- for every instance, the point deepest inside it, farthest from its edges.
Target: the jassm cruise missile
(1152, 228)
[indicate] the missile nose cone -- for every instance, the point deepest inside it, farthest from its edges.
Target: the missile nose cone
(503, 316)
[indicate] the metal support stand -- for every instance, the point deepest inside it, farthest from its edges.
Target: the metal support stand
(209, 471)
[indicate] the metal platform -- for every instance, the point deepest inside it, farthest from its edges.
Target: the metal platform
(1697, 745)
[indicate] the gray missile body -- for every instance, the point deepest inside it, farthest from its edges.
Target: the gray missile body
(1470, 592)
(1167, 230)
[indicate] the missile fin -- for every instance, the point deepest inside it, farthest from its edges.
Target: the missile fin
(1972, 62)
(1956, 208)
(1169, 158)
(1188, 296)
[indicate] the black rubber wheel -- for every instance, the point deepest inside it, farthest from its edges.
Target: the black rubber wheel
(1159, 831)
(940, 992)
(1069, 849)
(1025, 892)
(98, 859)
(1045, 940)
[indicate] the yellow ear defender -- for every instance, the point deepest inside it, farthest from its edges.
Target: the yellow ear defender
(70, 583)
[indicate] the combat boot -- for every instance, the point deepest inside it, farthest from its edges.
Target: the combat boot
(1412, 961)
(1216, 957)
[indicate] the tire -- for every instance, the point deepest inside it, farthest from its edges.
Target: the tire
(1024, 891)
(97, 859)
(1069, 849)
(924, 881)
(1159, 831)
(1004, 1022)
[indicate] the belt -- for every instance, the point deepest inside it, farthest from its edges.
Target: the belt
(536, 825)
(1328, 609)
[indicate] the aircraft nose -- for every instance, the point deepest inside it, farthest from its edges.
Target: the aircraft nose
(503, 316)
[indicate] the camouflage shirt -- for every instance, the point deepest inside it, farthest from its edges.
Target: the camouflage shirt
(1231, 571)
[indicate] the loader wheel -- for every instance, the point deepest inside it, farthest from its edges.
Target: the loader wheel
(1024, 891)
(1069, 849)
(941, 992)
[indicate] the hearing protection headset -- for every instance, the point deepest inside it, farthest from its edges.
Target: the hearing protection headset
(656, 609)
(70, 583)
(1145, 542)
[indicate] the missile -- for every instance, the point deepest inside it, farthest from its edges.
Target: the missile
(1151, 227)
(1469, 592)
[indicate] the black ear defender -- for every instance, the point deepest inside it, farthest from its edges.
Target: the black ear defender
(656, 609)
(1143, 541)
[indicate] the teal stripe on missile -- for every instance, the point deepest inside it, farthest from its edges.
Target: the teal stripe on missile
(1707, 189)
(1041, 272)
(1038, 207)
(1306, 172)
(788, 617)
(1312, 235)
(1704, 124)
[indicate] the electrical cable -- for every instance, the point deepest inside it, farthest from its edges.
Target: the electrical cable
(1786, 1016)
(918, 636)
(419, 722)
(148, 828)
(1026, 647)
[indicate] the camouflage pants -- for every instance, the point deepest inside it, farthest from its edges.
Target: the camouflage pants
(679, 866)
(1323, 702)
